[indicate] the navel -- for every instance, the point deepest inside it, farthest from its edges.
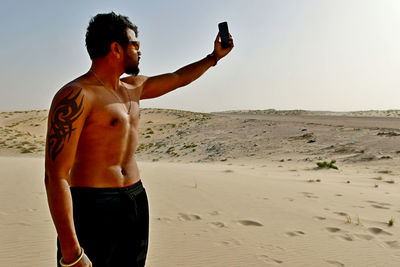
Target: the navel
(114, 122)
(123, 172)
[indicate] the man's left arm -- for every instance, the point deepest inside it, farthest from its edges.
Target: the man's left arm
(159, 85)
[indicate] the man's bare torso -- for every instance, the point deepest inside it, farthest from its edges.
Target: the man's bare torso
(105, 155)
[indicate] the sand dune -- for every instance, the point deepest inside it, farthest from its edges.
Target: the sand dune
(183, 136)
(232, 189)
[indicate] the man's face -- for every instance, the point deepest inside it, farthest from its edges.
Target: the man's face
(132, 54)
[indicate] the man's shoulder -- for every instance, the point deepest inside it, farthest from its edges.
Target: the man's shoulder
(73, 92)
(77, 86)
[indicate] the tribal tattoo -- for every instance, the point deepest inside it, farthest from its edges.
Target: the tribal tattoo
(65, 113)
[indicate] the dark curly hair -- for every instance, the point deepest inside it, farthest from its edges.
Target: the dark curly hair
(104, 29)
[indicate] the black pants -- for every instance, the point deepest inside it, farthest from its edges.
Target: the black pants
(112, 225)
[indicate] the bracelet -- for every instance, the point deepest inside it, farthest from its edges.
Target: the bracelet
(213, 56)
(75, 262)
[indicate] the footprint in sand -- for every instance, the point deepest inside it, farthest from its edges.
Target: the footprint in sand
(379, 207)
(295, 233)
(333, 229)
(319, 218)
(341, 213)
(214, 213)
(249, 223)
(217, 224)
(379, 203)
(269, 260)
(364, 237)
(378, 231)
(393, 244)
(345, 237)
(308, 195)
(336, 263)
(189, 217)
(230, 242)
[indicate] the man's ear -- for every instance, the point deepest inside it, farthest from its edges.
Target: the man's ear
(116, 49)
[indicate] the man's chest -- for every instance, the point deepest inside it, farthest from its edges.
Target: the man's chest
(112, 114)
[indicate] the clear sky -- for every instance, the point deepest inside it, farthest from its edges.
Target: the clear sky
(337, 55)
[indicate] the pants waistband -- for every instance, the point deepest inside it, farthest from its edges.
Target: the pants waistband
(134, 189)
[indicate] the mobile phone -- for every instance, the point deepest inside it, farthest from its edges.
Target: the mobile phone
(224, 34)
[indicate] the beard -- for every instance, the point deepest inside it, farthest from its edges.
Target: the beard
(132, 70)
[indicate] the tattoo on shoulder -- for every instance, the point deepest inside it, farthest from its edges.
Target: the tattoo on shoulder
(65, 113)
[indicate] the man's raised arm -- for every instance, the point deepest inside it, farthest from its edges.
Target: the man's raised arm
(158, 85)
(66, 119)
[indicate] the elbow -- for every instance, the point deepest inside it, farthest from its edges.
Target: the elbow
(51, 178)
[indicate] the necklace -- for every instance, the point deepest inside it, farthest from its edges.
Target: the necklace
(115, 94)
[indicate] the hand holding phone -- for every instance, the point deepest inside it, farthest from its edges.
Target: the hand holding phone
(223, 43)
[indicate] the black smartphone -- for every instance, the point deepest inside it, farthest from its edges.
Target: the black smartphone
(224, 34)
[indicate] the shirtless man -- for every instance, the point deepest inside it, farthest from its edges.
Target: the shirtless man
(96, 198)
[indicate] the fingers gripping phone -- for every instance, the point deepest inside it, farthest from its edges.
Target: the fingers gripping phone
(224, 34)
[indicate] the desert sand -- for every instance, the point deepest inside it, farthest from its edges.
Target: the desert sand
(238, 188)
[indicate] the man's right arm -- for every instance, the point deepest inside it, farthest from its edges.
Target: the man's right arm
(67, 116)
